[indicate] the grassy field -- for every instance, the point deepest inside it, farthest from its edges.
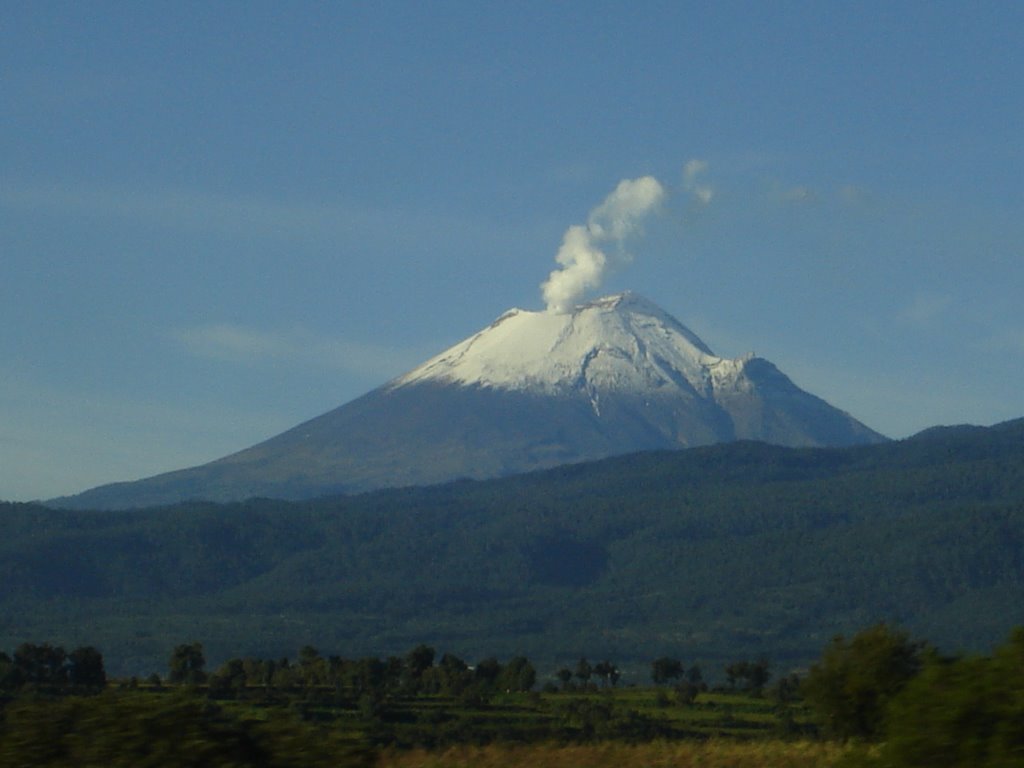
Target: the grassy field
(624, 727)
(319, 726)
(630, 715)
(716, 753)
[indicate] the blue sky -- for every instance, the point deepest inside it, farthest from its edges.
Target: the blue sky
(220, 219)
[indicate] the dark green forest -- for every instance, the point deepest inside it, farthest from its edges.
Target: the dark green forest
(712, 554)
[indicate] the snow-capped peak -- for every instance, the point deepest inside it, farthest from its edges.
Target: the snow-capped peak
(616, 343)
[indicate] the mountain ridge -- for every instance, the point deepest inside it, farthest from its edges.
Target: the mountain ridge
(714, 553)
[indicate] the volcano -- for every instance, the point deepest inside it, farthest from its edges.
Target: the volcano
(532, 390)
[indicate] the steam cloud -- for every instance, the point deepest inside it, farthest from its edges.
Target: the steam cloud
(583, 262)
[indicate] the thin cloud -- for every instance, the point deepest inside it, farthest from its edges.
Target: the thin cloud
(799, 194)
(240, 215)
(903, 399)
(170, 207)
(242, 345)
(925, 309)
(1007, 341)
(700, 191)
(854, 195)
(57, 439)
(573, 172)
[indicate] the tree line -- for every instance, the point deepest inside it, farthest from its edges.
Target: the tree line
(879, 687)
(50, 668)
(420, 672)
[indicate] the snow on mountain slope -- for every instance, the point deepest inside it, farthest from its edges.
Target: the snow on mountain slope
(618, 343)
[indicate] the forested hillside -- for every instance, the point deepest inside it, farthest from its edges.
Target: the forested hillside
(710, 554)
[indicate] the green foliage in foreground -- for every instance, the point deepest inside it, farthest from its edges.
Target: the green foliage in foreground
(118, 730)
(853, 683)
(962, 713)
(923, 709)
(911, 706)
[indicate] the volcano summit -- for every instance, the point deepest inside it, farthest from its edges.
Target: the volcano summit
(532, 390)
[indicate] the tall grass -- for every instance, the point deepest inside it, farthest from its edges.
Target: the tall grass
(710, 754)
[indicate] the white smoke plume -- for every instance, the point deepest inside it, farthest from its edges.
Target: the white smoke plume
(692, 172)
(583, 262)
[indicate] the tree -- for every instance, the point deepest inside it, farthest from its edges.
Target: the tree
(564, 676)
(452, 664)
(518, 675)
(9, 678)
(454, 674)
(312, 666)
(367, 676)
(608, 672)
(258, 671)
(758, 674)
(43, 665)
(735, 672)
(419, 660)
(394, 668)
(694, 676)
(583, 671)
(230, 678)
(487, 671)
(962, 712)
(686, 693)
(754, 674)
(187, 664)
(787, 689)
(85, 668)
(308, 655)
(665, 669)
(850, 687)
